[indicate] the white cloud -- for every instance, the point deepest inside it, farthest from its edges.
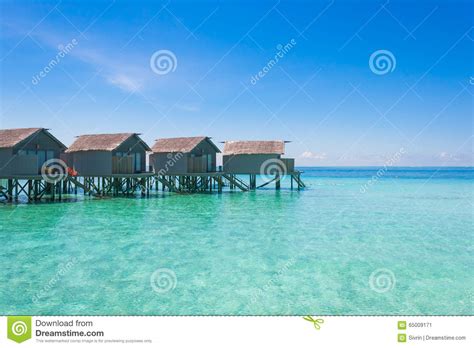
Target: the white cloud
(124, 75)
(190, 108)
(447, 156)
(125, 70)
(125, 83)
(311, 155)
(456, 158)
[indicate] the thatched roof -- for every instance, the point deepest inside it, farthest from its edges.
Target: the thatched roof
(184, 144)
(103, 142)
(13, 137)
(254, 147)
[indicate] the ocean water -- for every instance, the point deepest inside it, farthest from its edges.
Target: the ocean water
(354, 242)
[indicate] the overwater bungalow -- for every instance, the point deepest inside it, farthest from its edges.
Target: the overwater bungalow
(23, 151)
(184, 155)
(108, 154)
(250, 157)
(115, 164)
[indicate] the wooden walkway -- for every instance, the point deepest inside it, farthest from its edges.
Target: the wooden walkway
(35, 188)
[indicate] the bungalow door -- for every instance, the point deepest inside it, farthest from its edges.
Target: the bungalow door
(49, 155)
(209, 163)
(138, 162)
(41, 159)
(203, 164)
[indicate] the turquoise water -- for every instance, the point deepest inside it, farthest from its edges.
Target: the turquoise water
(263, 252)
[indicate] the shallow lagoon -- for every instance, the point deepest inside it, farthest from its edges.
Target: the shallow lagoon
(266, 252)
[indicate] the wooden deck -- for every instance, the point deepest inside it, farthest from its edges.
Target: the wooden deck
(35, 187)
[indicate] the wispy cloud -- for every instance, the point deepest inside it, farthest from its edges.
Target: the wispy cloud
(311, 155)
(448, 156)
(125, 82)
(189, 108)
(456, 158)
(120, 69)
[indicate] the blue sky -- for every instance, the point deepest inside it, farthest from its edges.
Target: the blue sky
(322, 93)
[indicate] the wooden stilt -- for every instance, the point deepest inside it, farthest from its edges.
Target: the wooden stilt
(37, 188)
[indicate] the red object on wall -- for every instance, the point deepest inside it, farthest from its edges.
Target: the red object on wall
(71, 172)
